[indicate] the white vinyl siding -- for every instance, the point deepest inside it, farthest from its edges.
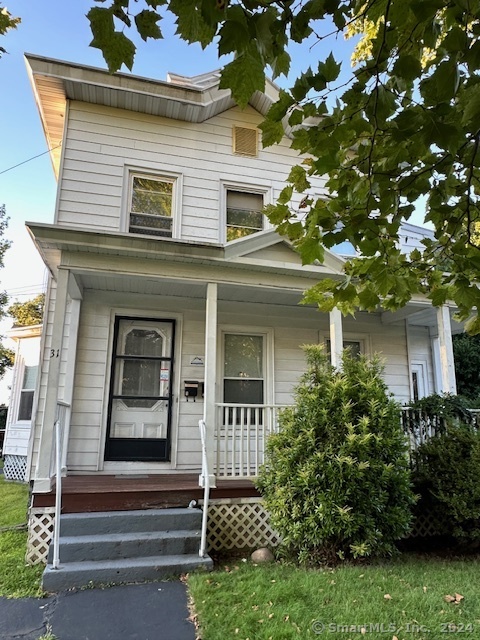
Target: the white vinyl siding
(102, 141)
(18, 424)
(290, 327)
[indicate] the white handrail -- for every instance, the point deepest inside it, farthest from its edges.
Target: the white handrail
(59, 427)
(206, 489)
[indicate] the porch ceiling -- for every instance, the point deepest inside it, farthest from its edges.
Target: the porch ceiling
(189, 289)
(420, 314)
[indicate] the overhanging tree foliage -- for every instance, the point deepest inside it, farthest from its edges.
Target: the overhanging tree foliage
(28, 313)
(6, 355)
(7, 22)
(404, 128)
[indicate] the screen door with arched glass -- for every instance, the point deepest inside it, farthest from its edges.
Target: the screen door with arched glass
(140, 404)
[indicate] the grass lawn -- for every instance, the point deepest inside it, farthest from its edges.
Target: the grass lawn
(16, 579)
(404, 597)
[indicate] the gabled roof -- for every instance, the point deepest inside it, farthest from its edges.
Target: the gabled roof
(194, 99)
(270, 247)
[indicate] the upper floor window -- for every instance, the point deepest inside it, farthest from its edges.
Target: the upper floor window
(244, 214)
(151, 206)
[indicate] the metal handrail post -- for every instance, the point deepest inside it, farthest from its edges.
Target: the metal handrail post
(206, 490)
(58, 497)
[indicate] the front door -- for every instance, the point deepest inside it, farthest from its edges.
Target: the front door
(140, 403)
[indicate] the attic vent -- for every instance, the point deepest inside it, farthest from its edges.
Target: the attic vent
(245, 141)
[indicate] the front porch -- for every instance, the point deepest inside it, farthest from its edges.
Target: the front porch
(91, 493)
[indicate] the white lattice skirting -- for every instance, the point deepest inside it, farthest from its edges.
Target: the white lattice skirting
(15, 467)
(239, 523)
(40, 534)
(233, 523)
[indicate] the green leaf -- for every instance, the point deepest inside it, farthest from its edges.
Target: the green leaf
(329, 69)
(311, 249)
(191, 25)
(234, 34)
(117, 51)
(101, 24)
(272, 132)
(471, 102)
(472, 325)
(442, 85)
(407, 67)
(147, 27)
(285, 195)
(368, 299)
(279, 109)
(280, 64)
(438, 296)
(116, 48)
(298, 178)
(243, 76)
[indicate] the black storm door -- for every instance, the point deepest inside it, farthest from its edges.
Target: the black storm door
(140, 402)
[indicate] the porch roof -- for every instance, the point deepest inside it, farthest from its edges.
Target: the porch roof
(54, 243)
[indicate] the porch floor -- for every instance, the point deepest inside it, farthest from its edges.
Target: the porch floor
(89, 493)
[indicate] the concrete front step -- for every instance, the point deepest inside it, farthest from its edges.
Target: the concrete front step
(81, 574)
(109, 546)
(79, 524)
(125, 546)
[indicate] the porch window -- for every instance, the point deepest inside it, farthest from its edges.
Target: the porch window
(244, 214)
(355, 347)
(243, 380)
(27, 392)
(151, 206)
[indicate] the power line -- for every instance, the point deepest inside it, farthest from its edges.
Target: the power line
(30, 159)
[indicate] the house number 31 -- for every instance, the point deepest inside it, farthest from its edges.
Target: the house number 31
(54, 353)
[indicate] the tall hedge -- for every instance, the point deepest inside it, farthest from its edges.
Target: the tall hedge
(336, 480)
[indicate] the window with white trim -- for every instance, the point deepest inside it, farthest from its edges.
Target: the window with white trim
(244, 214)
(355, 347)
(27, 391)
(151, 205)
(243, 371)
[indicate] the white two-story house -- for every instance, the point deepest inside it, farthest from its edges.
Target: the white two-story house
(171, 298)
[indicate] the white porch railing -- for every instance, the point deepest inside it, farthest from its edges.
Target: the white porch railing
(419, 425)
(61, 439)
(240, 437)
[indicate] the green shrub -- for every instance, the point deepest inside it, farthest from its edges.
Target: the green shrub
(466, 352)
(336, 479)
(447, 472)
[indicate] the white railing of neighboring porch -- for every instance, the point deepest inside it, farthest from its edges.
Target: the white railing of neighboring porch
(240, 438)
(206, 488)
(61, 439)
(420, 425)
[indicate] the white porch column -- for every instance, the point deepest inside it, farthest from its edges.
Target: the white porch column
(447, 365)
(42, 479)
(76, 295)
(336, 338)
(209, 409)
